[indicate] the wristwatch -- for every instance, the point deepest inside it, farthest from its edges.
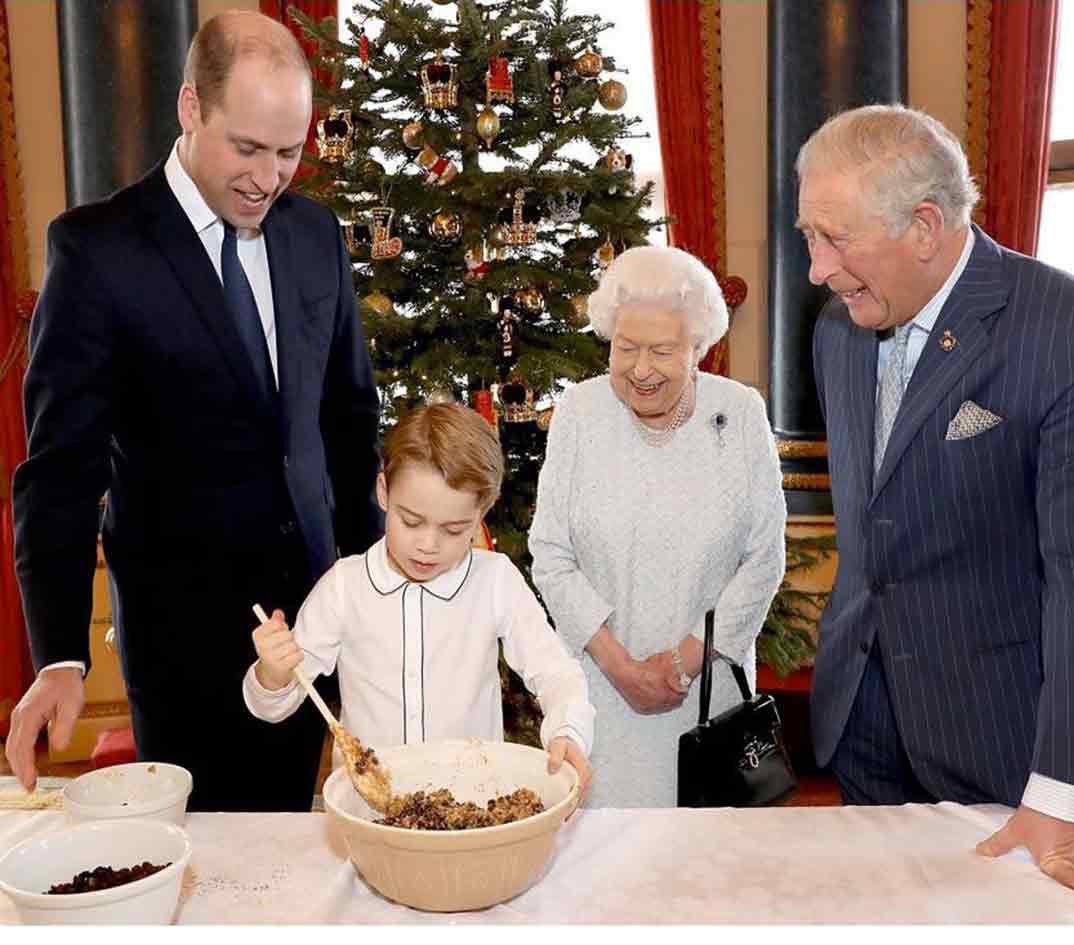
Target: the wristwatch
(676, 657)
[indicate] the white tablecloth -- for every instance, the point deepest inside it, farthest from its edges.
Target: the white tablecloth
(790, 864)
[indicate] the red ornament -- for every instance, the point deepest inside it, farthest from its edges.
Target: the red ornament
(734, 290)
(363, 52)
(483, 405)
(498, 81)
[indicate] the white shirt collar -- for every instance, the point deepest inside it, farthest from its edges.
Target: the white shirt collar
(386, 580)
(186, 192)
(926, 318)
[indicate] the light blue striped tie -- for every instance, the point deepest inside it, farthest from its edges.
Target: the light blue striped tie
(889, 394)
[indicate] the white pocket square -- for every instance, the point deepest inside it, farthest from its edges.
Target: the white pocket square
(971, 420)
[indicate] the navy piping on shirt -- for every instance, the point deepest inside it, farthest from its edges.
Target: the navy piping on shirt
(406, 583)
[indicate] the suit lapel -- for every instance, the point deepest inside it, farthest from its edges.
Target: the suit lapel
(980, 292)
(288, 310)
(170, 228)
(861, 358)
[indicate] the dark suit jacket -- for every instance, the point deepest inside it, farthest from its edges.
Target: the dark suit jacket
(139, 384)
(961, 563)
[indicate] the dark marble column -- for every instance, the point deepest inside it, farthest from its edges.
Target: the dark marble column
(121, 64)
(824, 56)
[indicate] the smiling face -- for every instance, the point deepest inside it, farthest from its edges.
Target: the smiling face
(883, 280)
(428, 525)
(243, 154)
(650, 362)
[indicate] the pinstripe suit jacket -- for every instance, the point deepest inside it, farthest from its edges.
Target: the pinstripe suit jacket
(961, 561)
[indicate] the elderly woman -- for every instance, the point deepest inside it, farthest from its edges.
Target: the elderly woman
(660, 498)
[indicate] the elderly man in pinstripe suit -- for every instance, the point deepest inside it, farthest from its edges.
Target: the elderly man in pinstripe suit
(945, 369)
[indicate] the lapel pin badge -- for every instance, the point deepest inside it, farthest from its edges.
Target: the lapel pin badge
(948, 342)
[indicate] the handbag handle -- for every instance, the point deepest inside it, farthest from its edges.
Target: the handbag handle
(706, 672)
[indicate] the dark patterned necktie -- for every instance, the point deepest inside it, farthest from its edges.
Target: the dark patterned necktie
(240, 298)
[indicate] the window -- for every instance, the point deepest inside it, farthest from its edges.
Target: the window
(1057, 214)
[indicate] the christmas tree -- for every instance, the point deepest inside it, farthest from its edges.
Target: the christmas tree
(479, 165)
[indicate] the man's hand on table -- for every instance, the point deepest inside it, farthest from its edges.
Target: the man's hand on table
(56, 696)
(1049, 840)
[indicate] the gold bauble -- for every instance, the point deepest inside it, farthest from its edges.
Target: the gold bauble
(530, 300)
(580, 308)
(605, 254)
(380, 303)
(414, 136)
(589, 64)
(500, 235)
(445, 227)
(487, 125)
(370, 169)
(612, 95)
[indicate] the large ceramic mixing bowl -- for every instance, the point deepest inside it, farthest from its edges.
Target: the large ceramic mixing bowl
(452, 871)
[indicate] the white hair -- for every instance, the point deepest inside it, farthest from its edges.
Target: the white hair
(904, 157)
(664, 276)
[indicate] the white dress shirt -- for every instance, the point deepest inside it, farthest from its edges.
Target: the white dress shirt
(418, 661)
(251, 246)
(924, 320)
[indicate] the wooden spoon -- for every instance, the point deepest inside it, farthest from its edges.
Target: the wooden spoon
(370, 780)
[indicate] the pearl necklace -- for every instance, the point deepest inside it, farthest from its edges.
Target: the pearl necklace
(683, 407)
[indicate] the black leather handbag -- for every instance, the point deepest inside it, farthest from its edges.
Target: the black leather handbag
(737, 759)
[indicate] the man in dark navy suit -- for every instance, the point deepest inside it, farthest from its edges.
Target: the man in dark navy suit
(945, 369)
(196, 354)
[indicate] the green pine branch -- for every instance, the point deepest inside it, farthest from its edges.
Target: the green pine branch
(787, 638)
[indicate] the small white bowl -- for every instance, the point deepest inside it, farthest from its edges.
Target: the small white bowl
(141, 789)
(28, 869)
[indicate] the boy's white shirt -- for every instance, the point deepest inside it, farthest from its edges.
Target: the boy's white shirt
(418, 661)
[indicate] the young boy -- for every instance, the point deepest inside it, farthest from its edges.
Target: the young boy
(412, 625)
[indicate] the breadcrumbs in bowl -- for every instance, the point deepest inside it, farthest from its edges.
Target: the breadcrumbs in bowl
(455, 870)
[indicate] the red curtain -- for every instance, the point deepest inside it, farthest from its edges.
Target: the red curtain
(317, 10)
(686, 63)
(16, 303)
(1022, 71)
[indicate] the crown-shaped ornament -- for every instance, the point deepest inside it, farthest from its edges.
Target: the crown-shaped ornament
(564, 207)
(440, 83)
(335, 135)
(516, 398)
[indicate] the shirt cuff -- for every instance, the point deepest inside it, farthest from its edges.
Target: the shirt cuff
(255, 684)
(568, 731)
(66, 664)
(574, 720)
(1048, 796)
